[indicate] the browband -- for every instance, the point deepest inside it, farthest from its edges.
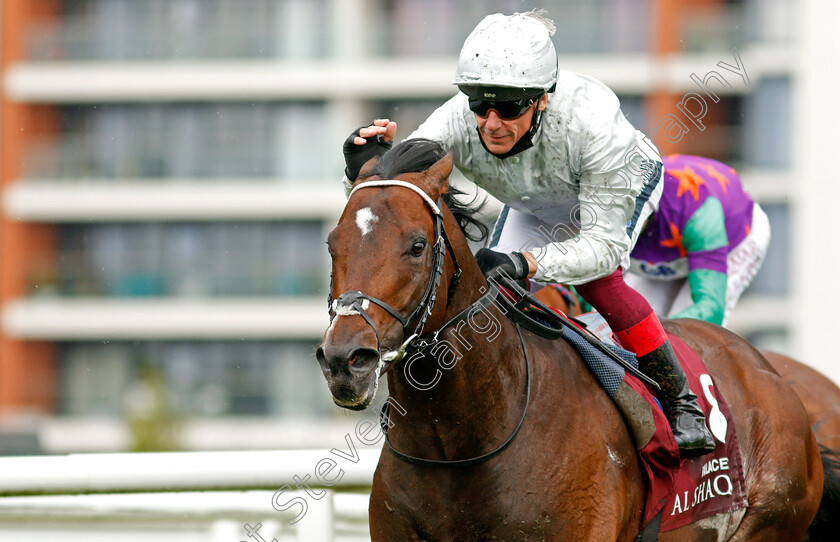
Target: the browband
(394, 182)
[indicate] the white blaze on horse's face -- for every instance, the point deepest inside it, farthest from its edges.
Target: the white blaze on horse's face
(365, 220)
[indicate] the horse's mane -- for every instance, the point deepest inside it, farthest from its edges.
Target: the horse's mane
(417, 155)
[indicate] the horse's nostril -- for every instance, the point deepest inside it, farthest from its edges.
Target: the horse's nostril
(363, 360)
(336, 360)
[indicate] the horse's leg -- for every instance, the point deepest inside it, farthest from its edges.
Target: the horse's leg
(387, 524)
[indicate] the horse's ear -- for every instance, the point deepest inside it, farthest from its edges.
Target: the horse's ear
(438, 175)
(367, 168)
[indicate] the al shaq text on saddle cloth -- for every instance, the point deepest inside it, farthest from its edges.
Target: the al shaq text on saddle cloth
(684, 491)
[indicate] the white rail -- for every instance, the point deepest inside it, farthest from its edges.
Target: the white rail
(186, 496)
(178, 471)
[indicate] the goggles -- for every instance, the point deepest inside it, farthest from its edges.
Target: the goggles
(509, 109)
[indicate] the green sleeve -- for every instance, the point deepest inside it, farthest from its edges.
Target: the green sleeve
(708, 291)
(707, 245)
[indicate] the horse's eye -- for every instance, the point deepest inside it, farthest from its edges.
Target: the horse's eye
(417, 248)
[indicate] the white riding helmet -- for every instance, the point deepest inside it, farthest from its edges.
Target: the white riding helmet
(509, 52)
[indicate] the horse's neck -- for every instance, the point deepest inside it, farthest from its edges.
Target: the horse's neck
(462, 393)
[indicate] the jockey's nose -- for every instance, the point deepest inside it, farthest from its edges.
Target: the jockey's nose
(493, 120)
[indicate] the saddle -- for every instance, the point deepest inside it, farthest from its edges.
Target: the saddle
(678, 491)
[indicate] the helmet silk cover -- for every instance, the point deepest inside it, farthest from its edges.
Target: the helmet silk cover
(508, 52)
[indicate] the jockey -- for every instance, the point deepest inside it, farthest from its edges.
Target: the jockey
(577, 180)
(703, 246)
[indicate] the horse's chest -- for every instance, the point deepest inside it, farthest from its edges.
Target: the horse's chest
(433, 510)
(549, 494)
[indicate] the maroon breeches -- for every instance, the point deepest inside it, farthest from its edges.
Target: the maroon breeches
(628, 313)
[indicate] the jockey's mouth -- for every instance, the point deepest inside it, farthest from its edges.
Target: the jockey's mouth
(497, 137)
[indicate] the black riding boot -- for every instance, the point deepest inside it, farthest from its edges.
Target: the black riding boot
(681, 407)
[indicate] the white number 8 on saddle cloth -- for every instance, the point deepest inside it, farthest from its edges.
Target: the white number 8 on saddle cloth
(717, 421)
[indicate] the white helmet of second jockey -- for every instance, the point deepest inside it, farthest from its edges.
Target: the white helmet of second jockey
(508, 57)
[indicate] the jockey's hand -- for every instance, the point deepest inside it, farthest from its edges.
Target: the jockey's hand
(365, 143)
(513, 264)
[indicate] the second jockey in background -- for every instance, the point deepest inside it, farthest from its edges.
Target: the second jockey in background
(703, 246)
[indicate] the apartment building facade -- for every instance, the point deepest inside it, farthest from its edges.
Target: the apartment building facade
(170, 170)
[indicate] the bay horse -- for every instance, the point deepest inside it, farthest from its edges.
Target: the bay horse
(500, 434)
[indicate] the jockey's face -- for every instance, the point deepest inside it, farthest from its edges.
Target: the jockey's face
(500, 135)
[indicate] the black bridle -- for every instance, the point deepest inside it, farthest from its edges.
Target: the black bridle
(354, 302)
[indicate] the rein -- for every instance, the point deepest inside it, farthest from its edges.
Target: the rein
(383, 423)
(538, 318)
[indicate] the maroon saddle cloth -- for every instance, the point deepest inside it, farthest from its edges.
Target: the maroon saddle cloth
(683, 490)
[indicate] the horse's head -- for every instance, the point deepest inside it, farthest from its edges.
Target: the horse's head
(388, 256)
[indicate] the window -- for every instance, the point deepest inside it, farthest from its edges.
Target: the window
(439, 27)
(226, 141)
(183, 29)
(192, 259)
(768, 123)
(214, 378)
(774, 276)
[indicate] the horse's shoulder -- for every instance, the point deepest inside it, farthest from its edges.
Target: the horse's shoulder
(566, 379)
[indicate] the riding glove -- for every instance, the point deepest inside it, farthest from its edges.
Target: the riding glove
(355, 156)
(492, 263)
